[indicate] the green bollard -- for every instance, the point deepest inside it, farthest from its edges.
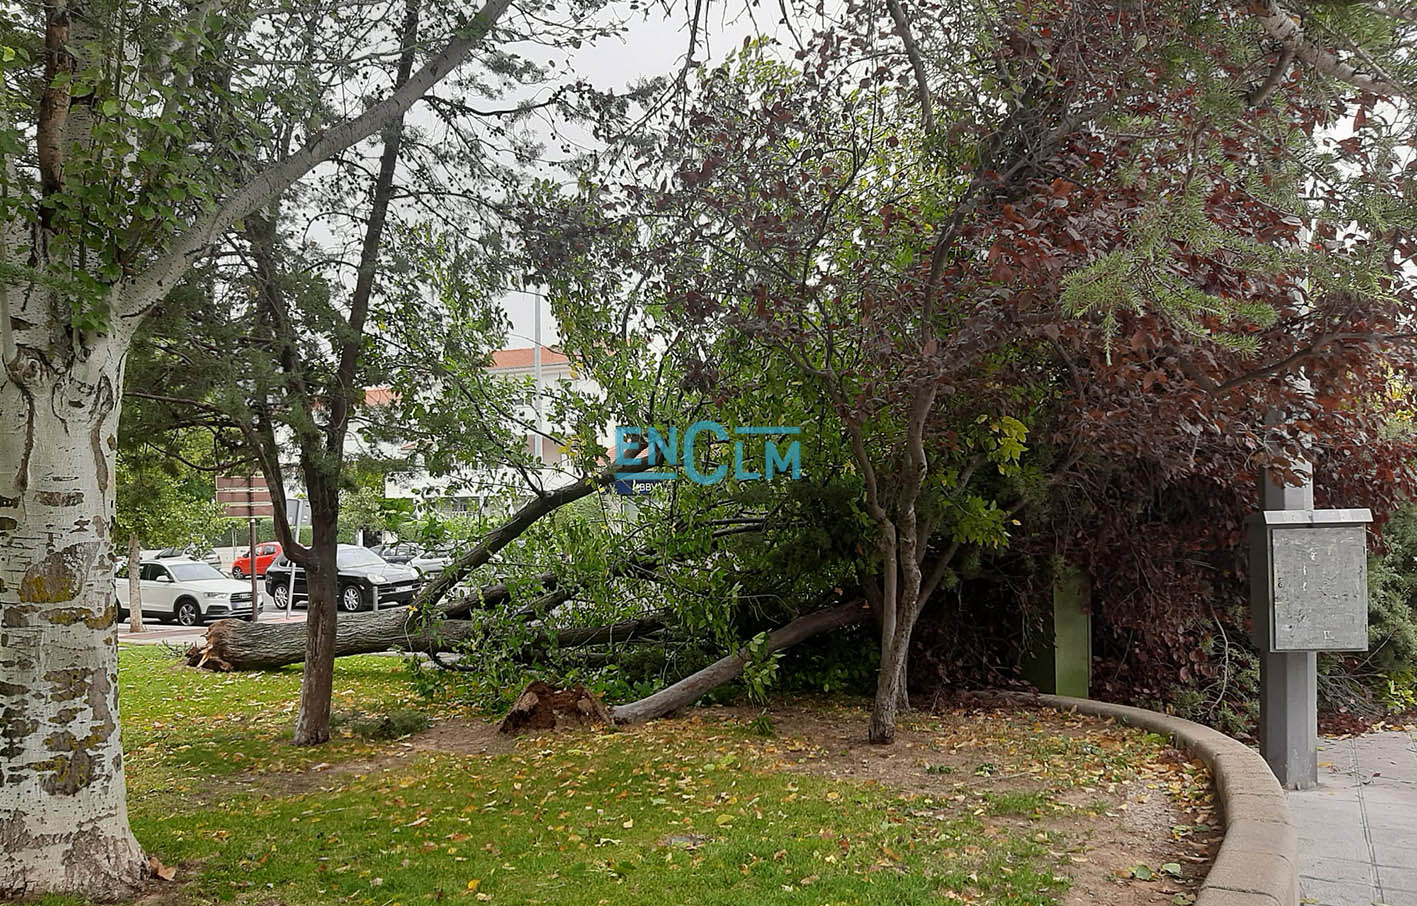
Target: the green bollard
(1059, 660)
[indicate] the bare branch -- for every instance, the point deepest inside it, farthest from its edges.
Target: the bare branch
(917, 63)
(1262, 92)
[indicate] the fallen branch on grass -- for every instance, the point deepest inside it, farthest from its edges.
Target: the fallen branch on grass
(691, 688)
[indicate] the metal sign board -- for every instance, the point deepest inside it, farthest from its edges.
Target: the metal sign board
(1316, 594)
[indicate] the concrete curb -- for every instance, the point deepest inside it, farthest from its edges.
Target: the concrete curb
(1258, 862)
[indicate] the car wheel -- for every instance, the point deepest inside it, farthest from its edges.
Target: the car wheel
(236, 573)
(187, 612)
(350, 600)
(282, 596)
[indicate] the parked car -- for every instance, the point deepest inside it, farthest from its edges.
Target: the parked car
(211, 558)
(398, 551)
(265, 555)
(425, 560)
(431, 562)
(183, 590)
(362, 574)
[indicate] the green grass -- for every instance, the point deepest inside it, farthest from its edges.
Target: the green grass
(182, 726)
(696, 811)
(1032, 802)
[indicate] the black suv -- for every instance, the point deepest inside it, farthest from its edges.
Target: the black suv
(362, 573)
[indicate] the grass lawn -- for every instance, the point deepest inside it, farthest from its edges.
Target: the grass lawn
(698, 810)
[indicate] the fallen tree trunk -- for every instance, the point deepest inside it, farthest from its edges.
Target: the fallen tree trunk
(264, 646)
(693, 687)
(230, 645)
(257, 646)
(238, 645)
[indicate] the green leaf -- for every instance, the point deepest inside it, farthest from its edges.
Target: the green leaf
(1142, 873)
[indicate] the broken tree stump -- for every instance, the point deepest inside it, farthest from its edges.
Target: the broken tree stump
(541, 707)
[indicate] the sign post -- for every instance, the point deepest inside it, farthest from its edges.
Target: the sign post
(298, 505)
(255, 589)
(1308, 593)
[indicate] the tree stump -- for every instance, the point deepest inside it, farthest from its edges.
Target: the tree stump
(540, 707)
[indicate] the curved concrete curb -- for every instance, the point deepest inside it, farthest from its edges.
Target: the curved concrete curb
(1258, 861)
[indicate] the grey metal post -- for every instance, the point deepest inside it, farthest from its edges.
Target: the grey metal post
(1289, 693)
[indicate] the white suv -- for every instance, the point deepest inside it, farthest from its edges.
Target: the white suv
(186, 591)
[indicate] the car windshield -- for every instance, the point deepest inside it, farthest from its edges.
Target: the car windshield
(358, 556)
(193, 572)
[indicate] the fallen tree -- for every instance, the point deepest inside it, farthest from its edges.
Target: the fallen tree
(233, 645)
(429, 624)
(693, 687)
(239, 645)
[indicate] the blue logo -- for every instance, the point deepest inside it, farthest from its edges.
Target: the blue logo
(665, 448)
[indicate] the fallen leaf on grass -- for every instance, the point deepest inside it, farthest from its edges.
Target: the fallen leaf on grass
(166, 872)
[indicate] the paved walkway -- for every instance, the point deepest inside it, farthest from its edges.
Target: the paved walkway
(1358, 830)
(156, 633)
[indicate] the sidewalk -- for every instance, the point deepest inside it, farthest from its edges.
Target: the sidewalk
(1358, 829)
(155, 633)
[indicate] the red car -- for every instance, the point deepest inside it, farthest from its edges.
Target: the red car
(265, 555)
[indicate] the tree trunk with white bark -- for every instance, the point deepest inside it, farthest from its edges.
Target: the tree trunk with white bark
(63, 809)
(135, 588)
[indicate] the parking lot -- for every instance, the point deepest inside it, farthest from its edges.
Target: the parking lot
(156, 633)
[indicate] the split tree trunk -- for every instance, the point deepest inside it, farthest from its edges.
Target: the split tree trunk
(135, 588)
(63, 807)
(692, 688)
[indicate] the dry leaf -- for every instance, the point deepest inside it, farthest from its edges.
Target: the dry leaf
(166, 872)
